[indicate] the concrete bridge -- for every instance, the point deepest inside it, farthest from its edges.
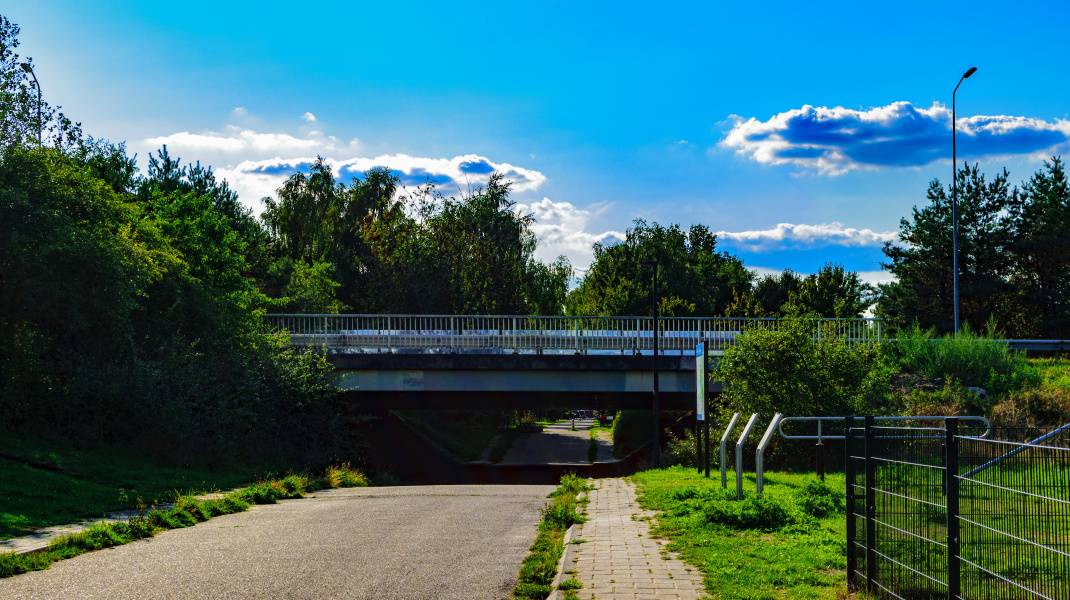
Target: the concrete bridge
(466, 361)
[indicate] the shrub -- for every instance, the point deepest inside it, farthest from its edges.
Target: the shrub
(819, 500)
(631, 429)
(1038, 407)
(792, 371)
(754, 512)
(680, 450)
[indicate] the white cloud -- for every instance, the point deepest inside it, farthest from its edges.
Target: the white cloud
(563, 229)
(254, 179)
(785, 234)
(833, 141)
(240, 111)
(870, 277)
(311, 118)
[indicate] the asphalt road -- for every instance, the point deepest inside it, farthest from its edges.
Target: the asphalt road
(406, 542)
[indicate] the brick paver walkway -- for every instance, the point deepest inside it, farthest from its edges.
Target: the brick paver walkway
(617, 557)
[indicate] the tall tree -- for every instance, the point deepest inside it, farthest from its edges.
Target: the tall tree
(831, 292)
(921, 260)
(694, 278)
(22, 111)
(1040, 214)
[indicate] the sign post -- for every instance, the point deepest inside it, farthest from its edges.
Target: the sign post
(701, 453)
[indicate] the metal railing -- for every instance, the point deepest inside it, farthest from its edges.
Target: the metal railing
(925, 522)
(508, 334)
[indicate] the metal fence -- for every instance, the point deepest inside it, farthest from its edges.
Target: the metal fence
(525, 334)
(940, 512)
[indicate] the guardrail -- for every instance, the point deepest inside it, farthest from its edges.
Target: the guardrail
(527, 334)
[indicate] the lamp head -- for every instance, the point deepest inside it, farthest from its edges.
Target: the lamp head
(26, 67)
(967, 74)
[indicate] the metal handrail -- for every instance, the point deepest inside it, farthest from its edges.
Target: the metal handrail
(820, 437)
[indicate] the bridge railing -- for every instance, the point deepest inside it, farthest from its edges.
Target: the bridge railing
(509, 334)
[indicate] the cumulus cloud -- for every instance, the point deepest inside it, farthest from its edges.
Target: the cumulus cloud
(256, 163)
(833, 141)
(254, 179)
(791, 234)
(564, 229)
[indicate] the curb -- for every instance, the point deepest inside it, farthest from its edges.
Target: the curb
(555, 594)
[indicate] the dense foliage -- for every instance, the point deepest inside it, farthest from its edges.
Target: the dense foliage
(1014, 256)
(694, 277)
(791, 370)
(368, 248)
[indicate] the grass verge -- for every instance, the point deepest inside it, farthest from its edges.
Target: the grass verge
(538, 570)
(186, 511)
(788, 543)
(53, 482)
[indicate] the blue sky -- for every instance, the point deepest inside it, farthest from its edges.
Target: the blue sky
(802, 131)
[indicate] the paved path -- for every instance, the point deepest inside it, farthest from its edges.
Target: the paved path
(618, 559)
(463, 542)
(557, 443)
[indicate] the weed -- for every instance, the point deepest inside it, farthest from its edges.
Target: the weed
(540, 566)
(570, 584)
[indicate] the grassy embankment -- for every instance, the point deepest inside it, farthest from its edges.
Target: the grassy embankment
(186, 511)
(538, 570)
(44, 483)
(789, 543)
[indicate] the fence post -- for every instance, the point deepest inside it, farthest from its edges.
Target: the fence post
(849, 474)
(871, 509)
(951, 470)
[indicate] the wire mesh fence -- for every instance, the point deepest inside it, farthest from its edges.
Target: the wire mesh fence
(947, 512)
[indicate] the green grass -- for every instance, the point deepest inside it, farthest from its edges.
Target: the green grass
(1054, 372)
(45, 483)
(186, 511)
(788, 544)
(538, 570)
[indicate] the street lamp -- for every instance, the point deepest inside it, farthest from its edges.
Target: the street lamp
(955, 202)
(29, 69)
(655, 453)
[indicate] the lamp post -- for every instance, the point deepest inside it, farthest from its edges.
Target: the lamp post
(29, 69)
(955, 202)
(655, 454)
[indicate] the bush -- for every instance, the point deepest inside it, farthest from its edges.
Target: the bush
(681, 450)
(792, 371)
(1038, 407)
(819, 500)
(973, 359)
(631, 429)
(754, 512)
